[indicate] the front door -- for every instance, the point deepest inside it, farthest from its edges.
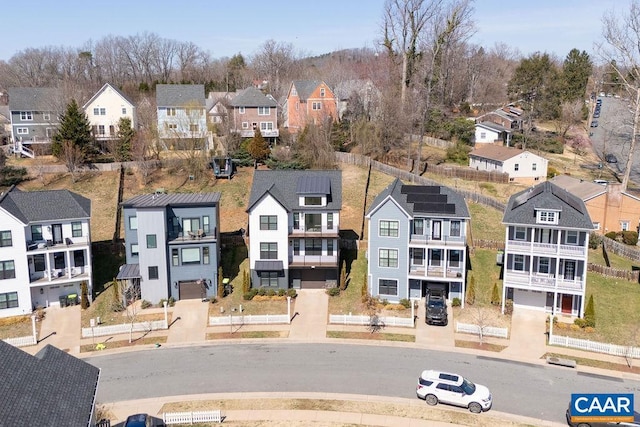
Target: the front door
(569, 270)
(435, 230)
(57, 233)
(567, 303)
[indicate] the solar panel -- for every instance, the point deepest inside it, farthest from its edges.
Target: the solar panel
(527, 195)
(426, 198)
(420, 189)
(440, 208)
(567, 198)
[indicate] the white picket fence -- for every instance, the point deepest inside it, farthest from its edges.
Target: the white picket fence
(192, 417)
(22, 341)
(249, 319)
(124, 328)
(488, 331)
(360, 319)
(596, 347)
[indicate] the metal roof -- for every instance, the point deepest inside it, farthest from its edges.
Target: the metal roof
(129, 271)
(172, 199)
(269, 266)
(313, 184)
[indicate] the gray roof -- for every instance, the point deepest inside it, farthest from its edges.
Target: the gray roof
(421, 200)
(51, 388)
(102, 89)
(35, 99)
(283, 186)
(493, 126)
(129, 271)
(174, 199)
(180, 96)
(253, 97)
(306, 87)
(585, 190)
(46, 205)
(269, 265)
(522, 207)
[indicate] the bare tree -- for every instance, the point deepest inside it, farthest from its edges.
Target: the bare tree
(275, 61)
(483, 318)
(621, 50)
(570, 115)
(73, 157)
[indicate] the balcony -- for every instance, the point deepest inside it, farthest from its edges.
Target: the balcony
(541, 282)
(250, 133)
(436, 272)
(60, 275)
(427, 239)
(314, 231)
(313, 260)
(41, 246)
(546, 248)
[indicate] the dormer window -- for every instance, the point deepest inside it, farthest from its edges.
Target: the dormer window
(313, 201)
(547, 217)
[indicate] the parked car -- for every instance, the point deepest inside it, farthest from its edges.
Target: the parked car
(610, 158)
(435, 386)
(594, 123)
(139, 420)
(634, 423)
(596, 114)
(436, 308)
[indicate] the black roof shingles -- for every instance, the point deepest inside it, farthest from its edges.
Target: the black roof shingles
(47, 205)
(51, 388)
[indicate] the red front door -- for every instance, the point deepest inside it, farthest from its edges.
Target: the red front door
(567, 303)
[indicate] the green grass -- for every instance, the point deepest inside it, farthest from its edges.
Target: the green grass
(350, 300)
(602, 364)
(486, 223)
(486, 273)
(484, 346)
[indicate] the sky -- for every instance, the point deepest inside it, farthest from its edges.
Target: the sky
(312, 27)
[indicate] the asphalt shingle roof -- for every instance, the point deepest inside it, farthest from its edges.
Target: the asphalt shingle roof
(418, 200)
(496, 152)
(522, 207)
(253, 97)
(47, 205)
(305, 87)
(180, 96)
(35, 99)
(283, 186)
(585, 190)
(103, 89)
(174, 199)
(51, 388)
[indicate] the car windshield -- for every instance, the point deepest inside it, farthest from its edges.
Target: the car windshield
(468, 386)
(436, 303)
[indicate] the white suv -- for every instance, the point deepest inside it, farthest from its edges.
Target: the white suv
(435, 386)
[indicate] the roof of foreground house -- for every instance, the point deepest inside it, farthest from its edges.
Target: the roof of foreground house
(420, 200)
(45, 205)
(286, 186)
(522, 207)
(51, 388)
(180, 96)
(173, 199)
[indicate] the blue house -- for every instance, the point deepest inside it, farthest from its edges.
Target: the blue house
(172, 246)
(417, 241)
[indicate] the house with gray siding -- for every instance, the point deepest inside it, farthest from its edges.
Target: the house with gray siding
(546, 250)
(182, 118)
(294, 221)
(417, 240)
(45, 249)
(172, 245)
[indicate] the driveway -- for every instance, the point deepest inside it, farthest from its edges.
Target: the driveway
(60, 328)
(189, 322)
(527, 338)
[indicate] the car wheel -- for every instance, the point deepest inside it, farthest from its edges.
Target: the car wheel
(446, 322)
(584, 425)
(431, 399)
(475, 407)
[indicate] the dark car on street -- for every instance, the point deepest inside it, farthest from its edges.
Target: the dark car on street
(610, 158)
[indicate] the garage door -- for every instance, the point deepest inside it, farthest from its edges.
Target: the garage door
(313, 279)
(190, 290)
(532, 300)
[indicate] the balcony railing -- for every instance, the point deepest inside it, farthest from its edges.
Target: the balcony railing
(539, 281)
(61, 274)
(436, 271)
(424, 239)
(315, 231)
(67, 242)
(546, 248)
(313, 260)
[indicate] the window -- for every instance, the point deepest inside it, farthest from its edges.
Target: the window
(245, 125)
(134, 249)
(330, 247)
(516, 167)
(205, 224)
(151, 241)
(388, 258)
(268, 251)
(171, 111)
(549, 217)
(175, 259)
(26, 115)
(322, 91)
(7, 270)
(387, 287)
(316, 106)
(153, 273)
(417, 256)
(5, 238)
(455, 228)
(313, 222)
(268, 278)
(534, 167)
(624, 225)
(205, 255)
(296, 246)
(194, 128)
(454, 259)
(78, 258)
(313, 246)
(100, 129)
(596, 225)
(483, 135)
(268, 222)
(39, 263)
(190, 256)
(9, 300)
(124, 110)
(46, 117)
(543, 265)
(133, 223)
(518, 262)
(190, 225)
(36, 232)
(22, 131)
(572, 237)
(241, 110)
(172, 126)
(266, 126)
(296, 220)
(520, 233)
(418, 227)
(313, 201)
(264, 111)
(76, 229)
(436, 257)
(58, 260)
(389, 228)
(330, 221)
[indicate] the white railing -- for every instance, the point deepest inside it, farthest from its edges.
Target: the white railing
(124, 328)
(489, 331)
(249, 319)
(21, 341)
(350, 319)
(594, 346)
(191, 417)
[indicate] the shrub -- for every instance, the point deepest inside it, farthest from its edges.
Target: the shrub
(456, 302)
(574, 327)
(246, 283)
(594, 240)
(271, 292)
(221, 292)
(551, 172)
(589, 329)
(397, 307)
(292, 293)
(581, 323)
(630, 237)
(406, 303)
(471, 291)
(612, 235)
(495, 295)
(343, 276)
(282, 292)
(248, 296)
(213, 300)
(172, 301)
(145, 304)
(333, 292)
(364, 290)
(262, 292)
(590, 313)
(508, 307)
(84, 295)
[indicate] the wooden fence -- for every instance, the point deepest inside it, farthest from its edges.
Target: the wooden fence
(633, 276)
(626, 251)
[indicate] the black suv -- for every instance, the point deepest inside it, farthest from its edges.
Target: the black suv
(436, 308)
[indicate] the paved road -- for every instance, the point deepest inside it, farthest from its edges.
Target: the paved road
(537, 391)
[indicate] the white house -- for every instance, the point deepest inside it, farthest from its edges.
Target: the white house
(182, 117)
(491, 133)
(522, 166)
(105, 109)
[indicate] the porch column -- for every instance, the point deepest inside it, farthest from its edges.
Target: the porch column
(47, 265)
(555, 303)
(67, 262)
(504, 296)
(582, 298)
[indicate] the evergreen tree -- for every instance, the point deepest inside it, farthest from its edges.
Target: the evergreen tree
(258, 148)
(220, 283)
(576, 70)
(122, 150)
(495, 295)
(84, 295)
(246, 283)
(75, 128)
(590, 313)
(364, 291)
(343, 277)
(471, 291)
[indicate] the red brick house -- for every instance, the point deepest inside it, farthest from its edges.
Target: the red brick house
(309, 102)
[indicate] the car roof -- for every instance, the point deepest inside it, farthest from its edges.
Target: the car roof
(430, 374)
(136, 420)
